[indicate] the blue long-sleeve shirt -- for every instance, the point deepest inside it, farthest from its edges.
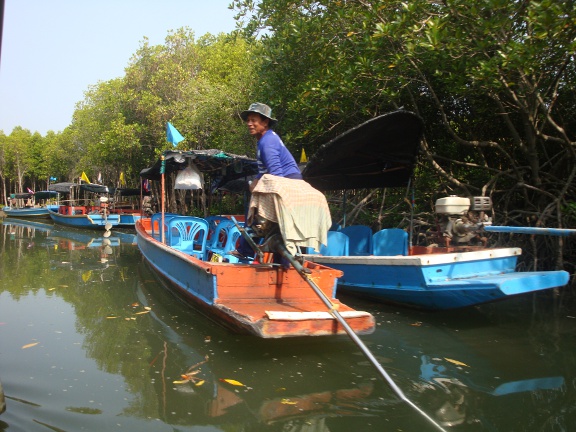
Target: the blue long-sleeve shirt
(274, 158)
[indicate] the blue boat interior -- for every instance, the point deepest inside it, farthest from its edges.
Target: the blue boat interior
(358, 240)
(215, 238)
(207, 239)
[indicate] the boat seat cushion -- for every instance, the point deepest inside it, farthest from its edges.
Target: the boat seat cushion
(360, 239)
(338, 244)
(390, 242)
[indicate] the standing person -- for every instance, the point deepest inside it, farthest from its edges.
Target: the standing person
(272, 155)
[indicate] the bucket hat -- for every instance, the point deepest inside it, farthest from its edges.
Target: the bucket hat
(259, 108)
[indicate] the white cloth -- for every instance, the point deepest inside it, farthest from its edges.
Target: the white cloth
(301, 211)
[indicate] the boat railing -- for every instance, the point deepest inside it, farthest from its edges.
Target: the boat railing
(82, 207)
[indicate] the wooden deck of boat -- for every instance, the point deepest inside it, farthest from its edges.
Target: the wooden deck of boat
(278, 319)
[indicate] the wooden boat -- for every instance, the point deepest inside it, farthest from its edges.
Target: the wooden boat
(86, 206)
(30, 205)
(265, 299)
(382, 266)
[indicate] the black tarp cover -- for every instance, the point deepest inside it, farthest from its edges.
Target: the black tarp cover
(65, 187)
(216, 163)
(378, 153)
(62, 188)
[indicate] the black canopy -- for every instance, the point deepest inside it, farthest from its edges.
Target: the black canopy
(64, 188)
(378, 153)
(219, 164)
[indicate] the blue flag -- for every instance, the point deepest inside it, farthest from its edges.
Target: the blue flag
(172, 135)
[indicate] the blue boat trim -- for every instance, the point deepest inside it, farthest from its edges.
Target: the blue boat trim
(440, 281)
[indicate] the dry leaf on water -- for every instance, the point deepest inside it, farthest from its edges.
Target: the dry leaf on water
(456, 362)
(30, 345)
(233, 382)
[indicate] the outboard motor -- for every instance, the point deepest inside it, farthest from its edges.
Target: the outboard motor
(462, 218)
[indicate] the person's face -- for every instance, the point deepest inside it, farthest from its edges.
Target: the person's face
(257, 124)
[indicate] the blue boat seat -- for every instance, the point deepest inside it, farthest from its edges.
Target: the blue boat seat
(188, 234)
(213, 222)
(360, 237)
(390, 242)
(232, 244)
(156, 220)
(224, 237)
(338, 244)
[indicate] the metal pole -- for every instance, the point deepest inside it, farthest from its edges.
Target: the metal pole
(561, 232)
(162, 206)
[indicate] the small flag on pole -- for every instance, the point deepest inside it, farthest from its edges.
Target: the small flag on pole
(303, 158)
(84, 177)
(99, 177)
(172, 135)
(30, 191)
(122, 179)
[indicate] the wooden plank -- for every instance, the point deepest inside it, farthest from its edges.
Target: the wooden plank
(300, 316)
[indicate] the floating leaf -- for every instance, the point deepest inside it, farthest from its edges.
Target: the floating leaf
(136, 304)
(86, 276)
(456, 362)
(233, 382)
(142, 312)
(199, 383)
(416, 324)
(288, 402)
(30, 345)
(111, 317)
(148, 308)
(180, 382)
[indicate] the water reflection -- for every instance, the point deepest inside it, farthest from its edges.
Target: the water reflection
(108, 346)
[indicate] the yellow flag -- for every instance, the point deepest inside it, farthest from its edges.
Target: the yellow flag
(84, 177)
(122, 179)
(303, 158)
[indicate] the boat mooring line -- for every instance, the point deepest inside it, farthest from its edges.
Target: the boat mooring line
(280, 247)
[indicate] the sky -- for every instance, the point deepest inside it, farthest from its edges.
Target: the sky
(53, 50)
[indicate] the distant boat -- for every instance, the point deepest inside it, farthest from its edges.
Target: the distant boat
(36, 206)
(85, 206)
(383, 266)
(261, 298)
(126, 203)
